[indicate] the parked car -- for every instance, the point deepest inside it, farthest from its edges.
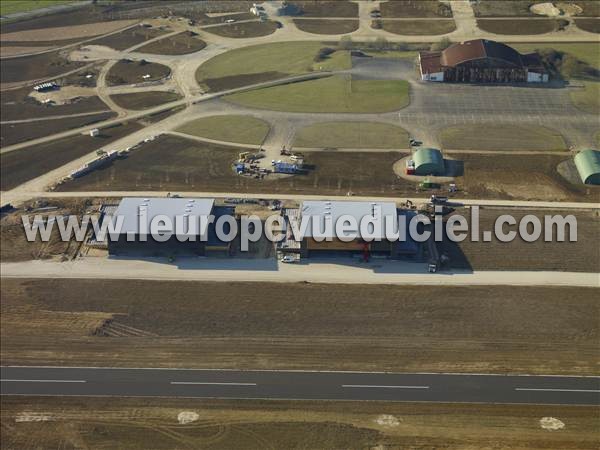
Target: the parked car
(288, 259)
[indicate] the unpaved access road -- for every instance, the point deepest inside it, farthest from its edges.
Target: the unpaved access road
(346, 271)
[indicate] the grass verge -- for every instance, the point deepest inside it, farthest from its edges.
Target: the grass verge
(352, 135)
(133, 72)
(336, 94)
(591, 25)
(502, 138)
(239, 129)
(411, 8)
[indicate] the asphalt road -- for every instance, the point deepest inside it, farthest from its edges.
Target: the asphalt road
(300, 385)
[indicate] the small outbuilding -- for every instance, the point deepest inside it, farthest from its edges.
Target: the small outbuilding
(429, 161)
(588, 166)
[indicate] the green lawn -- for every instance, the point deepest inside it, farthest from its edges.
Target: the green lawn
(502, 138)
(335, 94)
(587, 99)
(586, 52)
(365, 135)
(239, 129)
(15, 6)
(281, 57)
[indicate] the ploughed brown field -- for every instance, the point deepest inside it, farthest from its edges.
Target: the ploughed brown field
(14, 133)
(566, 256)
(71, 322)
(27, 163)
(255, 424)
(195, 166)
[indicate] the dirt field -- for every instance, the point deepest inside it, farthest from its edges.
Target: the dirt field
(508, 8)
(426, 27)
(577, 256)
(68, 32)
(191, 165)
(591, 25)
(502, 138)
(412, 8)
(36, 67)
(144, 100)
(180, 44)
(324, 26)
(131, 72)
(519, 177)
(251, 325)
(21, 132)
(244, 30)
(517, 26)
(128, 38)
(25, 164)
(340, 8)
(254, 424)
(17, 105)
(15, 247)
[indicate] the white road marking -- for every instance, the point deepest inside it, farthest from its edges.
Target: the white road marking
(558, 390)
(213, 383)
(41, 381)
(382, 387)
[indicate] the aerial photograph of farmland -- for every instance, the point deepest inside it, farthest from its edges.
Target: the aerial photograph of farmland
(342, 224)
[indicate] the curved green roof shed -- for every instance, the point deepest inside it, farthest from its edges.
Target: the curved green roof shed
(429, 161)
(588, 166)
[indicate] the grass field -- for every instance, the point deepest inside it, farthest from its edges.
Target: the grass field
(20, 132)
(415, 8)
(22, 165)
(244, 30)
(502, 138)
(324, 26)
(332, 94)
(263, 62)
(587, 99)
(17, 6)
(534, 330)
(520, 255)
(352, 135)
(190, 165)
(586, 52)
(239, 129)
(421, 27)
(591, 25)
(132, 72)
(533, 26)
(180, 44)
(144, 100)
(259, 425)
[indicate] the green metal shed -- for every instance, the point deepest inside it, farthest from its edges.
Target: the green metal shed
(588, 166)
(429, 161)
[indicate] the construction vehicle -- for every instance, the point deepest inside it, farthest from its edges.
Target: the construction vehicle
(242, 156)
